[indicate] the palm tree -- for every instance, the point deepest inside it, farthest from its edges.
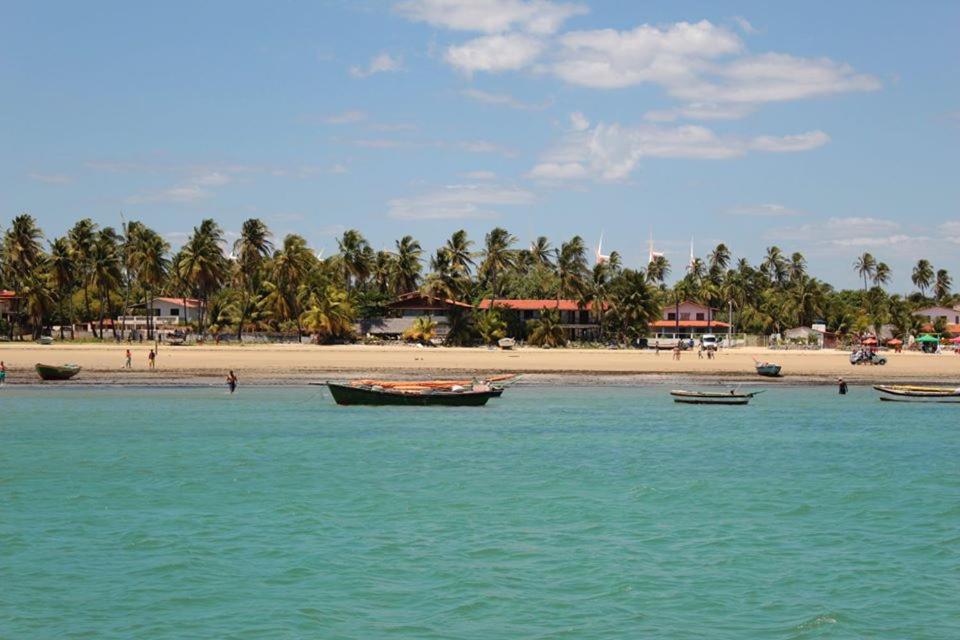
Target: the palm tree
(658, 270)
(289, 268)
(774, 265)
(406, 274)
(634, 304)
(62, 277)
(329, 315)
(547, 331)
(571, 268)
(922, 276)
(941, 288)
(202, 265)
(881, 274)
(81, 237)
(595, 293)
(251, 251)
(798, 266)
(151, 254)
(490, 326)
(423, 330)
(105, 270)
(356, 258)
(22, 255)
(443, 281)
(865, 266)
(457, 249)
(498, 256)
(541, 253)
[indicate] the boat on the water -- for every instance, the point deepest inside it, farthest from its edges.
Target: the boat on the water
(909, 393)
(57, 372)
(419, 395)
(712, 397)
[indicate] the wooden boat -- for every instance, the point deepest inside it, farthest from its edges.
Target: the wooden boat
(427, 384)
(57, 372)
(413, 396)
(711, 397)
(768, 369)
(506, 343)
(908, 393)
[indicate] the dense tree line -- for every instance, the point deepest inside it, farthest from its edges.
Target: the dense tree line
(256, 284)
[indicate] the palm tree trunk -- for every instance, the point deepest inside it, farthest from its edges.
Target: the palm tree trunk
(101, 315)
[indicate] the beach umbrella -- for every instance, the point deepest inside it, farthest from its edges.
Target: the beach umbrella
(869, 341)
(894, 341)
(927, 338)
(955, 340)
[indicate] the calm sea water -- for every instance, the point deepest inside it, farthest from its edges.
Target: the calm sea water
(556, 512)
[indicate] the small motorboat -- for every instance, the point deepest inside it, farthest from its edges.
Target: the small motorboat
(712, 397)
(475, 395)
(506, 343)
(908, 393)
(57, 372)
(768, 369)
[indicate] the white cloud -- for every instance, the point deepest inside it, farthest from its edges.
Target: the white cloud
(382, 63)
(472, 146)
(505, 100)
(50, 178)
(950, 230)
(180, 194)
(347, 117)
(494, 53)
(613, 151)
(608, 59)
(744, 24)
(458, 202)
(579, 122)
(766, 210)
(212, 179)
(491, 16)
(786, 144)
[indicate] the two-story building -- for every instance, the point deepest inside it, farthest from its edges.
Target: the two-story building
(404, 311)
(950, 315)
(166, 314)
(687, 320)
(577, 322)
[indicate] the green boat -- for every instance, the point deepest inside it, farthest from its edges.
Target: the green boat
(346, 394)
(57, 372)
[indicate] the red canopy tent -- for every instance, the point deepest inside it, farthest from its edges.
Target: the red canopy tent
(869, 340)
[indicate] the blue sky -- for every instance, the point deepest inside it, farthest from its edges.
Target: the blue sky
(830, 128)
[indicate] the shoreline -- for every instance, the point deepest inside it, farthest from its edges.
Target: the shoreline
(291, 364)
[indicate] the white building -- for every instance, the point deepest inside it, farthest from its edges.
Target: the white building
(166, 313)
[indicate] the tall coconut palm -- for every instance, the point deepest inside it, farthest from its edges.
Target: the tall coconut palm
(498, 256)
(922, 276)
(798, 266)
(202, 265)
(881, 274)
(658, 270)
(81, 237)
(105, 270)
(153, 268)
(63, 279)
(288, 270)
(457, 249)
(595, 293)
(250, 251)
(571, 268)
(774, 265)
(634, 304)
(541, 253)
(865, 266)
(443, 281)
(407, 267)
(941, 287)
(356, 258)
(22, 258)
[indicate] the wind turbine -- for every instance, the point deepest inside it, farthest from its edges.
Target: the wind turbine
(651, 254)
(601, 259)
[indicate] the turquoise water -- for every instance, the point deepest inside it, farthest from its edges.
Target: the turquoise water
(556, 512)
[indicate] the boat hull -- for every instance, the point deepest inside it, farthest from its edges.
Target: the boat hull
(720, 401)
(56, 372)
(349, 395)
(905, 393)
(770, 371)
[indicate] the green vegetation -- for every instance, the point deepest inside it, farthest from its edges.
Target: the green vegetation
(92, 274)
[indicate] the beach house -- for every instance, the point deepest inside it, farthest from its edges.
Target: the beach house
(949, 315)
(577, 322)
(166, 313)
(404, 311)
(687, 320)
(8, 305)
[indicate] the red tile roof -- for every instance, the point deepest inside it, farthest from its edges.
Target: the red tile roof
(192, 303)
(7, 294)
(697, 324)
(534, 305)
(416, 296)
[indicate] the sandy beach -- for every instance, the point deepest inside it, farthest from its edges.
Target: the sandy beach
(269, 364)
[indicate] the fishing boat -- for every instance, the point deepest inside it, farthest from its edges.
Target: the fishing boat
(768, 369)
(506, 343)
(712, 397)
(57, 372)
(475, 395)
(908, 393)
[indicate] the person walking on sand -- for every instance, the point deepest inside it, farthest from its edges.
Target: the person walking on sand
(129, 363)
(232, 381)
(152, 359)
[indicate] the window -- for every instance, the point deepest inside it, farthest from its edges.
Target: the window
(155, 312)
(700, 316)
(174, 312)
(684, 316)
(671, 316)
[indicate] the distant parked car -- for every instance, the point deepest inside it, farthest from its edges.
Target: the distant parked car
(709, 341)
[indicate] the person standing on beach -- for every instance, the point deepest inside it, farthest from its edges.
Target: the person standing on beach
(3, 373)
(232, 381)
(656, 345)
(842, 386)
(152, 359)
(129, 363)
